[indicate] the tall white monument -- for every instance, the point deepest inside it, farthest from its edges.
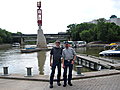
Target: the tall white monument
(41, 40)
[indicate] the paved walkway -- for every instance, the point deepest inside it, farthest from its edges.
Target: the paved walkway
(99, 83)
(45, 78)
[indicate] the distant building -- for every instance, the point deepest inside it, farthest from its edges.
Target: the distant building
(113, 18)
(61, 32)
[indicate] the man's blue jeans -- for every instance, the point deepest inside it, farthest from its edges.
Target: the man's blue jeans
(58, 65)
(67, 64)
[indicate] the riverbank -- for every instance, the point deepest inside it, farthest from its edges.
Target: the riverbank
(99, 45)
(4, 46)
(96, 45)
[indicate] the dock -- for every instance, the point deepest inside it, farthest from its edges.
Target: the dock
(30, 50)
(96, 63)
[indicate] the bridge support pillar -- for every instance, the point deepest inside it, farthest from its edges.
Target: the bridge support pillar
(22, 41)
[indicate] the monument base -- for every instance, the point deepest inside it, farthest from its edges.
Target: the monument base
(41, 40)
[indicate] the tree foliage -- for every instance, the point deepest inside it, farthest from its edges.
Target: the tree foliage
(102, 31)
(75, 29)
(5, 36)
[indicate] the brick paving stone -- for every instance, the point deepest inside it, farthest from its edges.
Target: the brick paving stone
(98, 83)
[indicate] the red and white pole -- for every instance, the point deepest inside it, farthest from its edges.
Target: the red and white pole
(39, 14)
(41, 40)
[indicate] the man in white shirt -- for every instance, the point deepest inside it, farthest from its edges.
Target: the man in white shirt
(69, 57)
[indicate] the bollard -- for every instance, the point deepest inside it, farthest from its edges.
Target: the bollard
(5, 71)
(29, 71)
(79, 69)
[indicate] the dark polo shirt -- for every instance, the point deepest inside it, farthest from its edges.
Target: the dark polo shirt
(57, 54)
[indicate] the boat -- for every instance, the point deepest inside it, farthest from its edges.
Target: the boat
(16, 45)
(113, 51)
(110, 53)
(71, 43)
(30, 50)
(81, 44)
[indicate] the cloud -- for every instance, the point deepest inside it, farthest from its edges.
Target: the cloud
(21, 15)
(116, 4)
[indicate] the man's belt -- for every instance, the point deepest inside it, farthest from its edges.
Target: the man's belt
(69, 60)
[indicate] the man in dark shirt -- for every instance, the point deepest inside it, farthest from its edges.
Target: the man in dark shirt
(56, 54)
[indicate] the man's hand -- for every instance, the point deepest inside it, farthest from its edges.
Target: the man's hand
(72, 62)
(51, 64)
(63, 66)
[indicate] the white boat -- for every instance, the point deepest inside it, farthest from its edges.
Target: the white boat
(81, 43)
(112, 52)
(71, 43)
(30, 50)
(16, 45)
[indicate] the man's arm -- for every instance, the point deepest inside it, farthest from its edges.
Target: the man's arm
(63, 56)
(63, 63)
(51, 56)
(74, 58)
(50, 60)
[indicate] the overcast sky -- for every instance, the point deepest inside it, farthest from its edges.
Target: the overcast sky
(21, 15)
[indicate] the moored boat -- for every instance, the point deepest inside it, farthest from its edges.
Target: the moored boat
(110, 53)
(113, 51)
(16, 45)
(29, 50)
(81, 43)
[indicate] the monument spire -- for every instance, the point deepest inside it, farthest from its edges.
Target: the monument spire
(41, 40)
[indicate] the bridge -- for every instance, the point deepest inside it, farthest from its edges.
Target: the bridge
(33, 37)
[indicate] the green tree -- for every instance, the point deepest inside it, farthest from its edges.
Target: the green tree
(1, 40)
(86, 35)
(5, 36)
(75, 29)
(102, 31)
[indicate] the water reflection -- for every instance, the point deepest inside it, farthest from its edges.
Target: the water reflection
(18, 62)
(41, 61)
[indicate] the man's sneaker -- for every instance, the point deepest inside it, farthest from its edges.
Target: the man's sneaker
(58, 83)
(64, 85)
(70, 84)
(51, 86)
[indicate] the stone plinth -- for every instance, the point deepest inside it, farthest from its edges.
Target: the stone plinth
(41, 40)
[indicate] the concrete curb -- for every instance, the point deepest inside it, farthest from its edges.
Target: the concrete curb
(102, 75)
(28, 79)
(46, 78)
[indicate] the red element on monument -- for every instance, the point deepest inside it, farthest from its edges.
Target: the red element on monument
(39, 14)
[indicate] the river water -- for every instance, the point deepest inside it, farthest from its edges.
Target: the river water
(39, 61)
(17, 61)
(94, 51)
